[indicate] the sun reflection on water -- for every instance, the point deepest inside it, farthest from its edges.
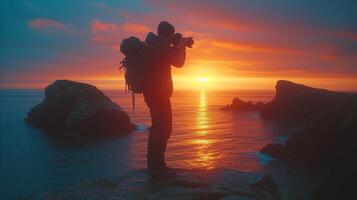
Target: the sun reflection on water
(204, 154)
(202, 116)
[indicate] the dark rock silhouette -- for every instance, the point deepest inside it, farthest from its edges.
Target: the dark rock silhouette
(296, 101)
(276, 150)
(330, 117)
(73, 107)
(326, 140)
(266, 184)
(238, 104)
(326, 143)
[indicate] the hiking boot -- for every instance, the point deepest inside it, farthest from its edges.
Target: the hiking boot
(162, 174)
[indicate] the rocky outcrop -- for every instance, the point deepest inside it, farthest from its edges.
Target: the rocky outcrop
(238, 104)
(331, 118)
(327, 140)
(293, 101)
(328, 144)
(73, 107)
(296, 101)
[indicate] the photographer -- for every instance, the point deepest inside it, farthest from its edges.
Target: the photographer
(166, 49)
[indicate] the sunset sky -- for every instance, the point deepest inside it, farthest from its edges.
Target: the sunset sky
(240, 45)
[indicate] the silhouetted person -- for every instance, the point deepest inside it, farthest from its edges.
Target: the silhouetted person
(157, 95)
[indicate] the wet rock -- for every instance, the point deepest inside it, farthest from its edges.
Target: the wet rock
(326, 137)
(189, 184)
(330, 119)
(266, 185)
(238, 104)
(326, 142)
(275, 150)
(79, 108)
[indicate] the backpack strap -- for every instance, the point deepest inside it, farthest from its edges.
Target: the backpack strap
(133, 99)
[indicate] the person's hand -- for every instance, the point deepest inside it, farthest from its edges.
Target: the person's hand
(183, 43)
(176, 39)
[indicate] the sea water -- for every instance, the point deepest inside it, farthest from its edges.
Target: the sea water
(204, 137)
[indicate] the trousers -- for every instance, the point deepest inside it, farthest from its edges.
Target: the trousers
(160, 131)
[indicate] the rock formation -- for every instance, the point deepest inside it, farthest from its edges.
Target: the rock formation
(79, 108)
(296, 101)
(238, 104)
(327, 140)
(331, 118)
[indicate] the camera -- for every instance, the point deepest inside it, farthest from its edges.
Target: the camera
(177, 38)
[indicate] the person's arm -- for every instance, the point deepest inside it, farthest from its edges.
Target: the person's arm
(178, 55)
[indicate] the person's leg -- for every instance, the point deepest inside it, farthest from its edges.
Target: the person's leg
(153, 138)
(160, 131)
(167, 118)
(156, 150)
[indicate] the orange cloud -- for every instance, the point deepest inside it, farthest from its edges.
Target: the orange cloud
(100, 26)
(45, 23)
(135, 28)
(252, 48)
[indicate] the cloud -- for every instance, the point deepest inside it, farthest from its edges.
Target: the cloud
(45, 23)
(252, 48)
(110, 34)
(100, 26)
(232, 38)
(135, 28)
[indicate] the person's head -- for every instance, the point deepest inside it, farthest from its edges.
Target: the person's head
(165, 30)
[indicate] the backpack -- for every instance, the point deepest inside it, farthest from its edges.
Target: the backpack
(135, 63)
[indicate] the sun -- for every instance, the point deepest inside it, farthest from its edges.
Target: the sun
(202, 82)
(202, 79)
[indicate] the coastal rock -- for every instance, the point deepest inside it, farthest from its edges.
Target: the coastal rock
(326, 142)
(293, 101)
(238, 104)
(326, 137)
(79, 108)
(331, 119)
(265, 185)
(275, 150)
(296, 101)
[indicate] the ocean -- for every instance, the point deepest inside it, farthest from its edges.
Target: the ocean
(204, 138)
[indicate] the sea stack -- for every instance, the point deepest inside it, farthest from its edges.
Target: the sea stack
(327, 141)
(296, 101)
(78, 108)
(330, 128)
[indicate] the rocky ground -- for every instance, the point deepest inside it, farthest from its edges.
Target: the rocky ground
(189, 184)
